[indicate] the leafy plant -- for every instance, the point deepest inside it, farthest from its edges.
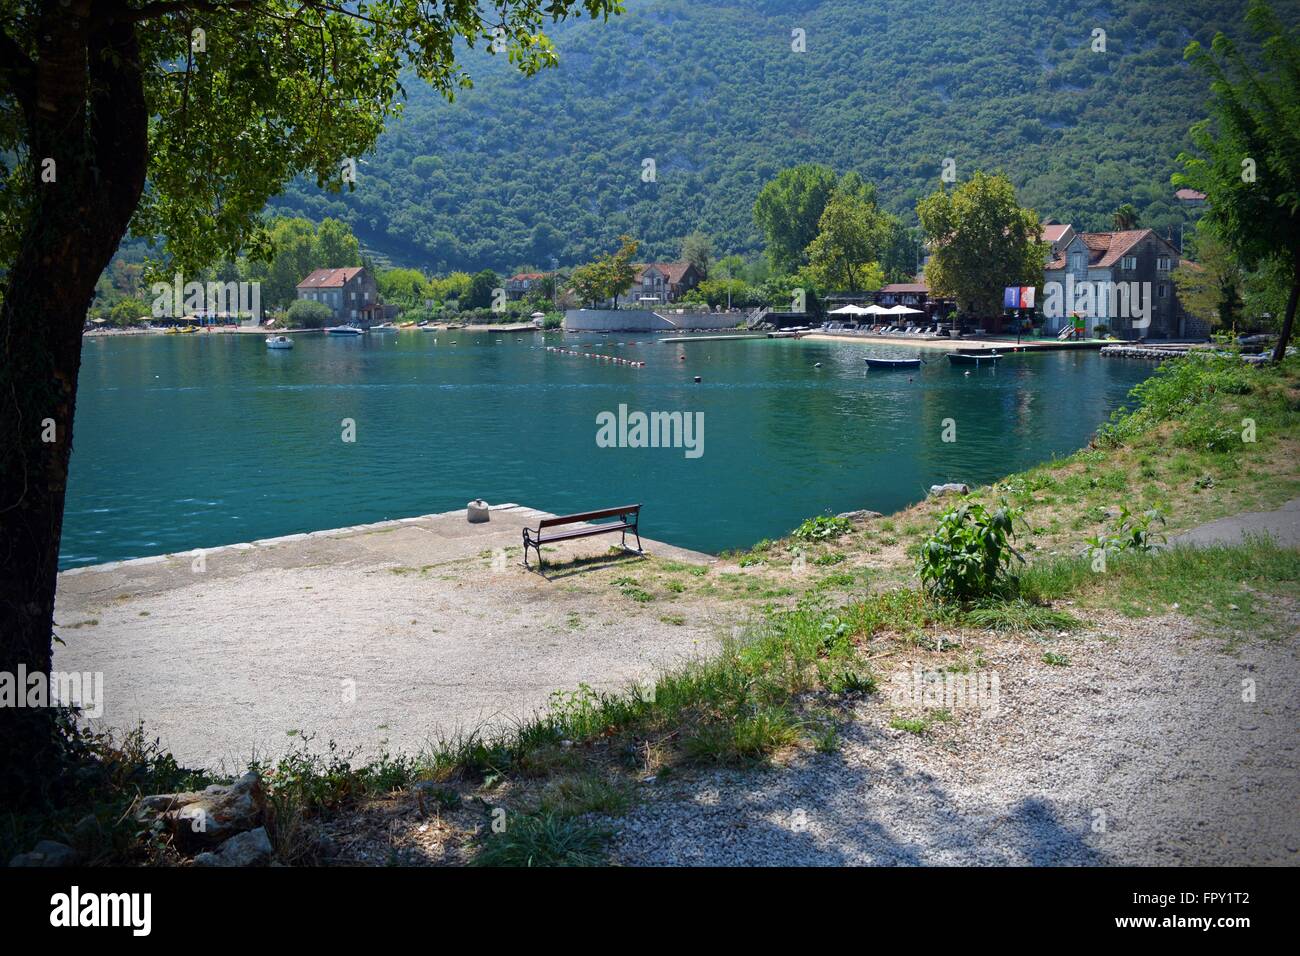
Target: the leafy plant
(970, 555)
(1129, 533)
(822, 528)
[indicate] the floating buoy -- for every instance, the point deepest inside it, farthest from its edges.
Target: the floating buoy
(698, 380)
(817, 364)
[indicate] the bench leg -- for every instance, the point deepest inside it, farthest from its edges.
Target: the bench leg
(526, 551)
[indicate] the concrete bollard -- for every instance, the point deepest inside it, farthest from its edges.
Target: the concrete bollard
(477, 511)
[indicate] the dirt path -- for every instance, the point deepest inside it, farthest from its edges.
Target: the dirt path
(1142, 751)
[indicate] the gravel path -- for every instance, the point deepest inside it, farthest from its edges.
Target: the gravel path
(1140, 752)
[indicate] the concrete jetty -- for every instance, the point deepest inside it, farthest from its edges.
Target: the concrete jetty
(379, 636)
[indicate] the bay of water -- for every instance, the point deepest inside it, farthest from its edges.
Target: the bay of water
(186, 442)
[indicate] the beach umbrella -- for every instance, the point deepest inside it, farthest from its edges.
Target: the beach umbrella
(846, 310)
(904, 310)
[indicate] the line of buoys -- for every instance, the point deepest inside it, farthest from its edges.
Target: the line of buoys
(592, 355)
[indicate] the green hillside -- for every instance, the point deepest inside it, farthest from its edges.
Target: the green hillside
(519, 170)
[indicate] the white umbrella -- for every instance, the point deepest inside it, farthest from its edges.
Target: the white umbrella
(846, 310)
(904, 310)
(875, 310)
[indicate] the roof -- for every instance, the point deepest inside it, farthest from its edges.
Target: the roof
(527, 276)
(1189, 195)
(1107, 248)
(330, 278)
(1053, 232)
(906, 287)
(675, 271)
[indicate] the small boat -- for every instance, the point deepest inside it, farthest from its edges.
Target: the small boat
(181, 330)
(385, 327)
(892, 363)
(972, 358)
(344, 330)
(279, 342)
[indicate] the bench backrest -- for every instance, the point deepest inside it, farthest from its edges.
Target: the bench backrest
(588, 516)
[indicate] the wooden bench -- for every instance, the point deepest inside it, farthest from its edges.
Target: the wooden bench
(627, 521)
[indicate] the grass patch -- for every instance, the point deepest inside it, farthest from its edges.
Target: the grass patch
(543, 839)
(1021, 616)
(1219, 586)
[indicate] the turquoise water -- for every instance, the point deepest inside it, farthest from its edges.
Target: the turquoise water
(196, 441)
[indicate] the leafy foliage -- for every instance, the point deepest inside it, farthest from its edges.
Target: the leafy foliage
(981, 241)
(822, 528)
(970, 555)
(1247, 158)
(517, 171)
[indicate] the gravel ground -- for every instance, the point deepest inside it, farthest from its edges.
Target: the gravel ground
(1142, 751)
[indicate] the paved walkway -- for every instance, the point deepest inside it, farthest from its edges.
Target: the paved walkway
(1282, 525)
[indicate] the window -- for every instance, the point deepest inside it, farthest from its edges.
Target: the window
(1163, 263)
(1128, 262)
(1164, 291)
(1076, 262)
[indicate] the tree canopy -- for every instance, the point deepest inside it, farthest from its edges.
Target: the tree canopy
(980, 240)
(1247, 156)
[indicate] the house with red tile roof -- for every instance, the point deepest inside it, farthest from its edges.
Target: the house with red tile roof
(522, 283)
(1104, 260)
(351, 293)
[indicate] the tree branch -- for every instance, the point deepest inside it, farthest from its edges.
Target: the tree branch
(18, 70)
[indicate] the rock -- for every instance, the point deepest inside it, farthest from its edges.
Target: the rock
(47, 853)
(951, 488)
(862, 514)
(208, 817)
(251, 848)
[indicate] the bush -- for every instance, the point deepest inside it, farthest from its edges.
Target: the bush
(969, 555)
(306, 314)
(822, 528)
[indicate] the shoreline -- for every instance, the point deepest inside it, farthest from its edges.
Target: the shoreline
(982, 344)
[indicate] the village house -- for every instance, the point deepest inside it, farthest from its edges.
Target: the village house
(351, 293)
(522, 283)
(1100, 262)
(664, 281)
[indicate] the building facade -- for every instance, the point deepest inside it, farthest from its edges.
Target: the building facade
(1119, 281)
(664, 281)
(350, 293)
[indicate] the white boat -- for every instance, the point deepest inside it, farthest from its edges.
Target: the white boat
(279, 342)
(344, 330)
(386, 327)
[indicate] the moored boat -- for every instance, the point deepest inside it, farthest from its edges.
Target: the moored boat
(892, 363)
(279, 342)
(344, 330)
(972, 358)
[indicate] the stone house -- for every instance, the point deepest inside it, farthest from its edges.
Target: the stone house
(351, 293)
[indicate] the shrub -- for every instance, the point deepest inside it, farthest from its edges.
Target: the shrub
(822, 528)
(306, 314)
(969, 555)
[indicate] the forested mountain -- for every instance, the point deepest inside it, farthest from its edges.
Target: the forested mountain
(519, 170)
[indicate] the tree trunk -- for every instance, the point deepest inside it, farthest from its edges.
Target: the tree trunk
(86, 112)
(1288, 320)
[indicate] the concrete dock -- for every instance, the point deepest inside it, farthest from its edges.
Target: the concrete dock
(382, 636)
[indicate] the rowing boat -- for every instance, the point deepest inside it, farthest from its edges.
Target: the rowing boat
(892, 363)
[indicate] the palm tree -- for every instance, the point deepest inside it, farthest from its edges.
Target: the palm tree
(1126, 217)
